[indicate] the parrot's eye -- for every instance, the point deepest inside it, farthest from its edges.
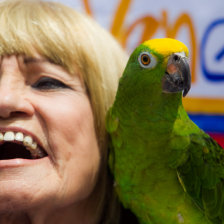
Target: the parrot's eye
(146, 60)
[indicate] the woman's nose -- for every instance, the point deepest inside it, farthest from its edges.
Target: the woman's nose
(14, 103)
(14, 100)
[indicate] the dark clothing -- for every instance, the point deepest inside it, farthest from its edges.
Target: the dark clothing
(127, 217)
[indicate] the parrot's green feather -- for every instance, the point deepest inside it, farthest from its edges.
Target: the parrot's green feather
(203, 175)
(166, 170)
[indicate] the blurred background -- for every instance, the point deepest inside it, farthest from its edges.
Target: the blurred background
(199, 24)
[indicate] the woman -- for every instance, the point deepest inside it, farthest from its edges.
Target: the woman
(59, 74)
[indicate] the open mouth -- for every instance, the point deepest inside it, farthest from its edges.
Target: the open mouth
(16, 145)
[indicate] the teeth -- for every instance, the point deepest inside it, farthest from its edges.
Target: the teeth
(9, 136)
(33, 146)
(27, 141)
(19, 136)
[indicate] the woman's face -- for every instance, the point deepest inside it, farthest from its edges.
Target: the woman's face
(41, 100)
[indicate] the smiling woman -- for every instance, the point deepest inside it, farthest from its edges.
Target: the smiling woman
(58, 75)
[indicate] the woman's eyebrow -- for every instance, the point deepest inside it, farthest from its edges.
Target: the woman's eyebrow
(29, 60)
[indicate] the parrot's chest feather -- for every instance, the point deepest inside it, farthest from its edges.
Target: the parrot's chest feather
(143, 133)
(145, 139)
(142, 166)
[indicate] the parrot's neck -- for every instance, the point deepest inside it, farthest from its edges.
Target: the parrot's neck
(154, 110)
(147, 126)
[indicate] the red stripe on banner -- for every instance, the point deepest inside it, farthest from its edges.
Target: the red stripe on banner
(218, 137)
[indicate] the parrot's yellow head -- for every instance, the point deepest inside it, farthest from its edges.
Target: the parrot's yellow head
(161, 64)
(167, 46)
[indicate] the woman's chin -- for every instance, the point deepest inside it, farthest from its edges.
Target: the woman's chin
(26, 186)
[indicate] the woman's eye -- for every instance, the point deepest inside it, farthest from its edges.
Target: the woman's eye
(47, 83)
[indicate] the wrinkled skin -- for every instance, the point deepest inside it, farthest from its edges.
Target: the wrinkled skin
(56, 188)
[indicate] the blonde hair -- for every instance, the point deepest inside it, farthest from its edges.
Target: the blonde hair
(73, 41)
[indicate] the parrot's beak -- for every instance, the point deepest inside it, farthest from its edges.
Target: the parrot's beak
(177, 77)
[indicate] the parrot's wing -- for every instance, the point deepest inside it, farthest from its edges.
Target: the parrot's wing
(202, 175)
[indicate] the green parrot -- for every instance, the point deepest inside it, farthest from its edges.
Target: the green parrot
(166, 169)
